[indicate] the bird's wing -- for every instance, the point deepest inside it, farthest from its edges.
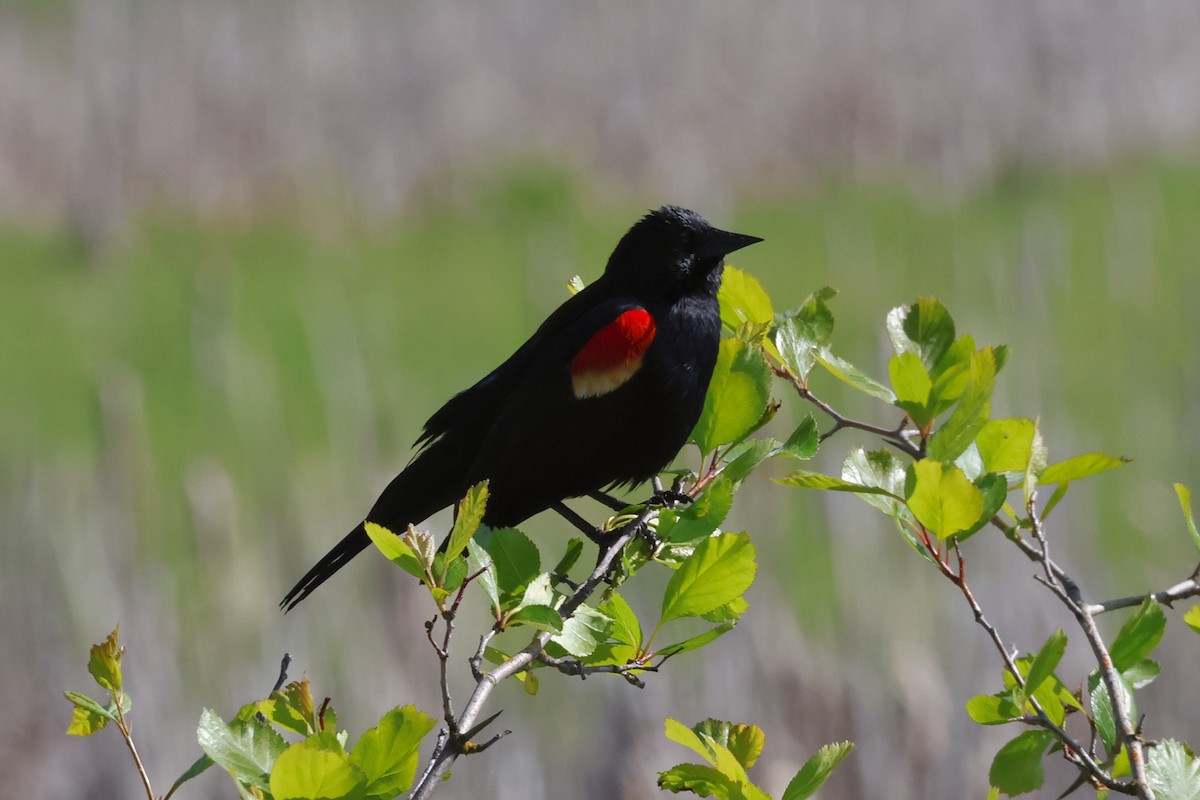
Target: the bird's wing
(566, 332)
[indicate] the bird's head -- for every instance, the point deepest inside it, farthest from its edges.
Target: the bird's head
(674, 252)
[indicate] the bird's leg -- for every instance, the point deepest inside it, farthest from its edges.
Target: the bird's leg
(667, 498)
(607, 499)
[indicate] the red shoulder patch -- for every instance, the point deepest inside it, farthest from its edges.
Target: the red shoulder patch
(613, 354)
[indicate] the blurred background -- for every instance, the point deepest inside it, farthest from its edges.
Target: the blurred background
(247, 248)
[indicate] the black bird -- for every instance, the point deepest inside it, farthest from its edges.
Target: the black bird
(605, 393)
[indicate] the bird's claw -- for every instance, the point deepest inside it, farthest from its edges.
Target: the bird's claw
(668, 498)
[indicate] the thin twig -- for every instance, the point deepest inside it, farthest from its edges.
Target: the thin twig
(452, 745)
(569, 666)
(127, 735)
(892, 436)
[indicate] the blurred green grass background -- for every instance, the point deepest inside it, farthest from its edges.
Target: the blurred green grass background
(192, 414)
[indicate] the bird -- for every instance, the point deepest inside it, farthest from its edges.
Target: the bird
(604, 394)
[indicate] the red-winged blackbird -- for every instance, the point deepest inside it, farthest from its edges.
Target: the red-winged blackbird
(605, 392)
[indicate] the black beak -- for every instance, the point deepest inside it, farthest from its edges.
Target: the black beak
(722, 243)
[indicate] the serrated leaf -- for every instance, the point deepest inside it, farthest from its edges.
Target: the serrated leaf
(388, 753)
(942, 498)
(816, 770)
(730, 612)
(394, 549)
(516, 560)
(247, 749)
(700, 517)
(583, 631)
(470, 513)
(1185, 503)
(1004, 444)
(544, 618)
(992, 709)
(539, 592)
(1038, 457)
(744, 741)
(743, 299)
(317, 767)
(1172, 772)
(721, 568)
(1140, 634)
(696, 642)
(738, 394)
(1017, 767)
(104, 662)
(1081, 467)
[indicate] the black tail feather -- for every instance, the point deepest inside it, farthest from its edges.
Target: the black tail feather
(354, 543)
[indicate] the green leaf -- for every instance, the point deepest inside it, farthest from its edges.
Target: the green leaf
(696, 642)
(744, 741)
(1038, 456)
(1173, 772)
(992, 709)
(816, 770)
(198, 766)
(317, 767)
(924, 328)
(1192, 618)
(1056, 496)
(291, 708)
(544, 618)
(881, 470)
(730, 612)
(1142, 674)
(1081, 467)
(742, 458)
(481, 563)
(974, 406)
(1017, 767)
(247, 749)
(88, 716)
(395, 549)
(470, 513)
(1004, 444)
(388, 753)
(700, 517)
(516, 560)
(679, 733)
(737, 396)
(800, 333)
(805, 479)
(1140, 634)
(942, 498)
(570, 556)
(912, 385)
(105, 662)
(804, 440)
(1045, 661)
(1102, 708)
(848, 373)
(626, 627)
(743, 299)
(701, 779)
(721, 568)
(583, 631)
(1185, 502)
